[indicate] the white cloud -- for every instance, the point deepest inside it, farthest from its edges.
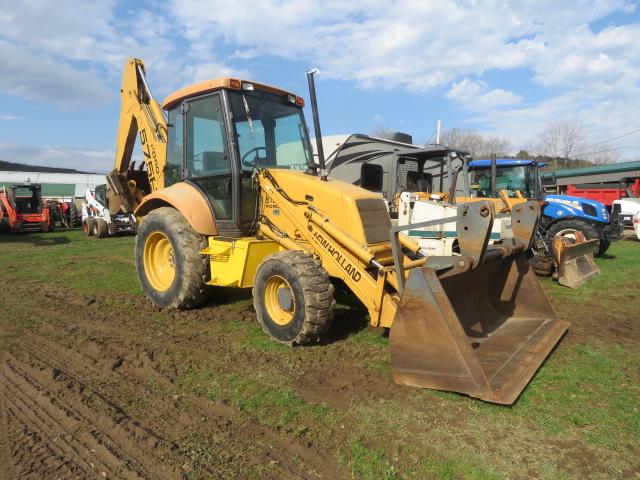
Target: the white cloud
(71, 52)
(421, 46)
(40, 78)
(477, 96)
(10, 118)
(87, 160)
(416, 45)
(74, 59)
(378, 118)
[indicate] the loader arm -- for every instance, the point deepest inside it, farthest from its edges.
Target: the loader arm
(341, 255)
(140, 114)
(478, 323)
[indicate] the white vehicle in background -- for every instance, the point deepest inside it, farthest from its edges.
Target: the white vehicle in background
(627, 207)
(441, 239)
(96, 219)
(636, 224)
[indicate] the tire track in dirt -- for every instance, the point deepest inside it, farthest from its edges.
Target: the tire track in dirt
(6, 472)
(244, 441)
(50, 406)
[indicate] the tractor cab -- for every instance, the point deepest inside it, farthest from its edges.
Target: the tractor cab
(221, 131)
(26, 198)
(512, 176)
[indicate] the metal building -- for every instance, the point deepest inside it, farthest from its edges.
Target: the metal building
(597, 174)
(60, 186)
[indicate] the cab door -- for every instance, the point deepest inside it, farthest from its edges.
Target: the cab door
(207, 158)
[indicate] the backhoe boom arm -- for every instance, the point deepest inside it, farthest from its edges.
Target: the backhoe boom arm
(139, 113)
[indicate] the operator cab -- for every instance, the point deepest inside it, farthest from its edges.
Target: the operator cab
(26, 198)
(512, 175)
(221, 131)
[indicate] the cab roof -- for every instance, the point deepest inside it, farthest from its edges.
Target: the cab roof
(503, 162)
(220, 84)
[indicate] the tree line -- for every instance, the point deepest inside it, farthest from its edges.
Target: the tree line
(563, 144)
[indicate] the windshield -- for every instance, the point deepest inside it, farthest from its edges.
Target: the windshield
(511, 179)
(271, 132)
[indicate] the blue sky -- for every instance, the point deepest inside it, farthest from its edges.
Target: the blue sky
(508, 70)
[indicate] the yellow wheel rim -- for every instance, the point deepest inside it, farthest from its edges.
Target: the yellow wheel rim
(158, 261)
(279, 300)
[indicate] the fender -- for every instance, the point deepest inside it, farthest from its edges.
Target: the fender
(188, 200)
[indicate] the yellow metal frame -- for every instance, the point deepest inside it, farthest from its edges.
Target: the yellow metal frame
(234, 262)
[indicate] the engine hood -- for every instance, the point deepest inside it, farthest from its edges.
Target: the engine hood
(562, 206)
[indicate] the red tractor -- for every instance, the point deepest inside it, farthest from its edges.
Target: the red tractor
(22, 208)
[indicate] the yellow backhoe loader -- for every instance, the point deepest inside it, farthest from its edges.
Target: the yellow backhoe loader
(234, 198)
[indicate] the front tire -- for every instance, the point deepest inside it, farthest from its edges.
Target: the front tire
(171, 270)
(293, 298)
(87, 226)
(567, 228)
(603, 247)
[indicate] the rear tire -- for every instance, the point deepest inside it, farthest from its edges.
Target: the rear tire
(171, 271)
(73, 219)
(566, 228)
(102, 228)
(293, 298)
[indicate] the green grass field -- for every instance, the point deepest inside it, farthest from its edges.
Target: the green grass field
(579, 417)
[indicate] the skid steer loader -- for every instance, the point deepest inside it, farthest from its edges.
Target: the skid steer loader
(241, 203)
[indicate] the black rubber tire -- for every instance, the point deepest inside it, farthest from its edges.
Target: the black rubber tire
(587, 229)
(312, 292)
(189, 288)
(603, 246)
(87, 226)
(73, 216)
(542, 265)
(102, 228)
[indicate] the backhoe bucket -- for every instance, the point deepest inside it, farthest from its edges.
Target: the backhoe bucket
(483, 331)
(575, 261)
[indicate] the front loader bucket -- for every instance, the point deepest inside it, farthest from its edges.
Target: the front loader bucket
(483, 332)
(575, 261)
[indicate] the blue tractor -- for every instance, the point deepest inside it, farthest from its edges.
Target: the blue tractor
(562, 214)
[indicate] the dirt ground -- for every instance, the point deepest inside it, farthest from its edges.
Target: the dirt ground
(107, 386)
(64, 392)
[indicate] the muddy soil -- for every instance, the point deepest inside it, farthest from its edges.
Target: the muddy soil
(69, 403)
(88, 392)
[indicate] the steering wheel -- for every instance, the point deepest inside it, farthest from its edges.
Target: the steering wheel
(249, 163)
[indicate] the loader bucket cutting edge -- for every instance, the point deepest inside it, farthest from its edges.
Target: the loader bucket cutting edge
(486, 342)
(576, 264)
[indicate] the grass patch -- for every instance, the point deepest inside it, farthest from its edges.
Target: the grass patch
(69, 258)
(590, 391)
(619, 279)
(271, 405)
(367, 463)
(199, 450)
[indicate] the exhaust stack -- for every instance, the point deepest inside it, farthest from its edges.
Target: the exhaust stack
(316, 122)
